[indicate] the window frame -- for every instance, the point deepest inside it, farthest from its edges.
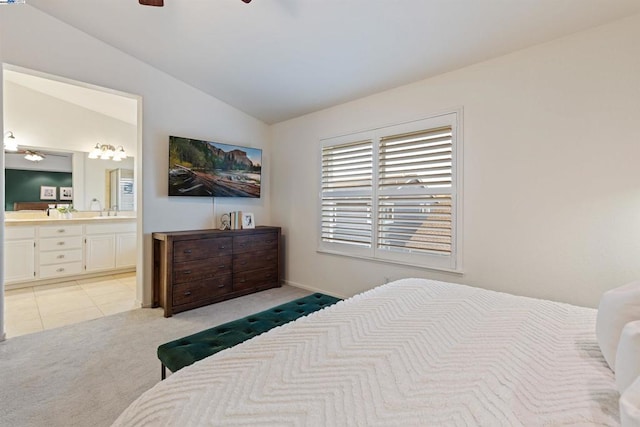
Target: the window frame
(449, 263)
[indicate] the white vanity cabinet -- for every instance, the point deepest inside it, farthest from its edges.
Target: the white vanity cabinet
(40, 251)
(109, 246)
(126, 243)
(19, 254)
(60, 250)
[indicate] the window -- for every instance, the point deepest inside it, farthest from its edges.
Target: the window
(392, 193)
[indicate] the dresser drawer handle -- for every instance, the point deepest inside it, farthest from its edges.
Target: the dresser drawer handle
(221, 266)
(61, 230)
(243, 262)
(186, 272)
(60, 270)
(60, 243)
(187, 251)
(242, 280)
(241, 244)
(220, 286)
(186, 294)
(222, 247)
(60, 256)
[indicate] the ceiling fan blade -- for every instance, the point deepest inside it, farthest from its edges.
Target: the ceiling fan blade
(161, 2)
(154, 2)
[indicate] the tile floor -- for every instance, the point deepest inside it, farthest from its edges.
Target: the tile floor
(38, 308)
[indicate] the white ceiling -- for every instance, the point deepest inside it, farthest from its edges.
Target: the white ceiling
(279, 59)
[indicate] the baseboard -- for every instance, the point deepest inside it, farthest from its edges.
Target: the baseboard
(313, 289)
(61, 279)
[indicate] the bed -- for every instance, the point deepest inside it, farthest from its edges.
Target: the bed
(411, 352)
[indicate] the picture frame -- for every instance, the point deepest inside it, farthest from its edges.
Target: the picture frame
(47, 193)
(248, 221)
(66, 193)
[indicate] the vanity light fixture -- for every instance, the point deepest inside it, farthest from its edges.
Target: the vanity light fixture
(10, 143)
(107, 152)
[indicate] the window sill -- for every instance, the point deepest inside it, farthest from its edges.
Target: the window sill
(385, 261)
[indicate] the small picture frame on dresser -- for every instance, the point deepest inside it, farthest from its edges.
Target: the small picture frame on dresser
(247, 220)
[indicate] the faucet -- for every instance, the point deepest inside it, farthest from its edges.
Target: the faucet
(94, 200)
(114, 208)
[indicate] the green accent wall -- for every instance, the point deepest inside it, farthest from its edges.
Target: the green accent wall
(24, 185)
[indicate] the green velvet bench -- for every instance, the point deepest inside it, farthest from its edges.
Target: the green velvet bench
(183, 352)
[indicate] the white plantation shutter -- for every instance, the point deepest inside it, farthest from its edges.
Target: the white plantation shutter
(392, 193)
(347, 182)
(414, 191)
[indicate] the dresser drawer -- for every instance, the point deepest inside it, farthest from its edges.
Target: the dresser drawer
(187, 250)
(246, 261)
(255, 242)
(60, 257)
(201, 269)
(61, 243)
(61, 230)
(48, 271)
(254, 278)
(185, 293)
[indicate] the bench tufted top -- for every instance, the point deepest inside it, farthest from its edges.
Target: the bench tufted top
(184, 351)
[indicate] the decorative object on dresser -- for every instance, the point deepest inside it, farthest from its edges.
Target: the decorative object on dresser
(196, 268)
(247, 220)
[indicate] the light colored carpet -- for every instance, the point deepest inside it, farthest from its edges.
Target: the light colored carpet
(87, 374)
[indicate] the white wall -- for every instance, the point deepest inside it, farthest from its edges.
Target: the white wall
(551, 186)
(46, 122)
(34, 40)
(39, 120)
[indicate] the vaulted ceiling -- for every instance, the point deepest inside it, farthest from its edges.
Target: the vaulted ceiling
(279, 59)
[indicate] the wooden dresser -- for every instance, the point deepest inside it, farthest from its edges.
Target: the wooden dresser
(196, 268)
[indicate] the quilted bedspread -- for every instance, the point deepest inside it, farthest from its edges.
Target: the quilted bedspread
(412, 352)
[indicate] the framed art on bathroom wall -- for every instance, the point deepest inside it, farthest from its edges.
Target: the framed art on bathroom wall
(47, 193)
(66, 193)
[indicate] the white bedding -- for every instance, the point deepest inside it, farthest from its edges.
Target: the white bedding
(412, 352)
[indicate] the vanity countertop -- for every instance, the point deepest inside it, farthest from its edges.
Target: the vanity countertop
(80, 220)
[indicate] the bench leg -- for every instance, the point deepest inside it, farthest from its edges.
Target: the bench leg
(164, 372)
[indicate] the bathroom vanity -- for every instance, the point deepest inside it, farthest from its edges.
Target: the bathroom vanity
(41, 250)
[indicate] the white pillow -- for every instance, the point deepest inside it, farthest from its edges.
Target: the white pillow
(628, 356)
(617, 307)
(630, 405)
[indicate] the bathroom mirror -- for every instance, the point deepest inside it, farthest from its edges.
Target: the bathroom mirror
(89, 184)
